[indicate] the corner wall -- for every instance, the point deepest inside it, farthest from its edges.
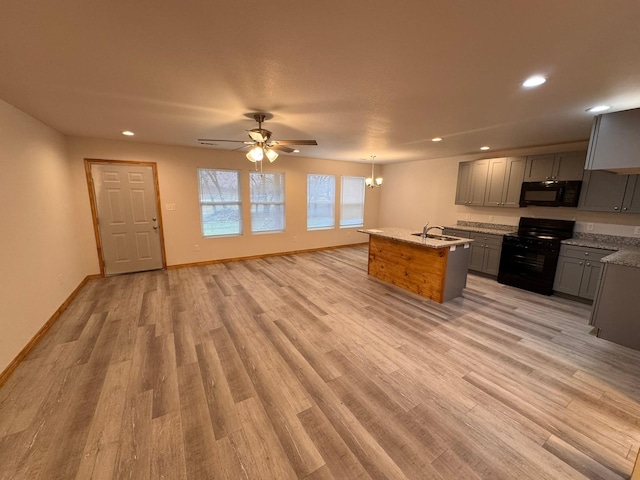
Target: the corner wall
(38, 241)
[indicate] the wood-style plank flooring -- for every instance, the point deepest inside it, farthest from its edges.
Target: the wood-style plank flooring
(304, 367)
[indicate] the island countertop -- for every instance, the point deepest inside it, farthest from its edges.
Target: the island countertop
(406, 235)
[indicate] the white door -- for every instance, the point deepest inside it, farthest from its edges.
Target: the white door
(127, 217)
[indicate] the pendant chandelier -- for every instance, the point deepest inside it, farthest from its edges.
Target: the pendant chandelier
(372, 181)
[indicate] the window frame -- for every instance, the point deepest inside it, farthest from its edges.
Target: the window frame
(342, 203)
(282, 202)
(237, 203)
(333, 203)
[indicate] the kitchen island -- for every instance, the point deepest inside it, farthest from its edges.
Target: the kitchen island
(434, 267)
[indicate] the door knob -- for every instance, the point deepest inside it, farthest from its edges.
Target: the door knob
(155, 227)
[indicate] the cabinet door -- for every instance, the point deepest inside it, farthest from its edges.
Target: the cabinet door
(569, 166)
(615, 140)
(480, 169)
(631, 202)
(476, 257)
(590, 279)
(513, 182)
(464, 183)
(456, 233)
(539, 167)
(495, 182)
(602, 191)
(568, 275)
(491, 263)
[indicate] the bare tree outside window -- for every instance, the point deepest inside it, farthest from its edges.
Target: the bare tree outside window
(220, 205)
(321, 200)
(267, 202)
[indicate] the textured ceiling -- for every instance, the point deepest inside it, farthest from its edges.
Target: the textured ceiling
(360, 77)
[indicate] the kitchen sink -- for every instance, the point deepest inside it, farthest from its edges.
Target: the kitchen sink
(437, 237)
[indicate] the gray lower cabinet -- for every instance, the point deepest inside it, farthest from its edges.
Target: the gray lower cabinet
(615, 310)
(456, 233)
(485, 253)
(609, 192)
(579, 270)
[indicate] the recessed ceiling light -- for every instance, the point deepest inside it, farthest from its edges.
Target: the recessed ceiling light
(436, 139)
(534, 81)
(598, 108)
(128, 133)
(485, 148)
(296, 150)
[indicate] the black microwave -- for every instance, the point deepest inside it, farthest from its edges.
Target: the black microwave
(550, 194)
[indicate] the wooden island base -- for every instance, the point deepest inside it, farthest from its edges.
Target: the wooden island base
(438, 274)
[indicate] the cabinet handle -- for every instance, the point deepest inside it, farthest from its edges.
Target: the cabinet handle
(497, 203)
(586, 253)
(580, 263)
(615, 208)
(624, 209)
(588, 264)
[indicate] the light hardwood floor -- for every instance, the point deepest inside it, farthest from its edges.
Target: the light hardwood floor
(302, 366)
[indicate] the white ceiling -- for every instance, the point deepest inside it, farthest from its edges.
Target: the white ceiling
(362, 77)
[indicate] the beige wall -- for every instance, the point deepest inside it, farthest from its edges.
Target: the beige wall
(416, 192)
(177, 167)
(38, 256)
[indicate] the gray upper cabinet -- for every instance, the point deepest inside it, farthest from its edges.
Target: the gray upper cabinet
(604, 191)
(504, 182)
(615, 142)
(555, 166)
(472, 182)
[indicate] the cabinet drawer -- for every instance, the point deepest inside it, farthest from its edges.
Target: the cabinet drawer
(594, 254)
(455, 233)
(487, 238)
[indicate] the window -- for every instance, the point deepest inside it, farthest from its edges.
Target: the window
(220, 206)
(352, 202)
(321, 200)
(267, 202)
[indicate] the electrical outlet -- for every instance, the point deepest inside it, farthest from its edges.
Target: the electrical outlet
(170, 206)
(196, 248)
(636, 231)
(589, 226)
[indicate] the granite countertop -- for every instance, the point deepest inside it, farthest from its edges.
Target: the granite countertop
(405, 235)
(626, 249)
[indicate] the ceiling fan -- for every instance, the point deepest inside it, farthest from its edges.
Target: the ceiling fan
(261, 144)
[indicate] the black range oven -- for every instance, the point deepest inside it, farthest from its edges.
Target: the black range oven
(529, 257)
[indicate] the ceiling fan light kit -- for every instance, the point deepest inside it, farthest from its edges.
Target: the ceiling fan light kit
(261, 143)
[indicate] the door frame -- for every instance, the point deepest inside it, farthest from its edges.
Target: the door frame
(94, 207)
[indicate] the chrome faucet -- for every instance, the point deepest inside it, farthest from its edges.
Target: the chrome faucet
(435, 226)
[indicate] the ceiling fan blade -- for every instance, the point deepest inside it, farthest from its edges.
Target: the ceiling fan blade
(259, 134)
(218, 140)
(281, 148)
(295, 142)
